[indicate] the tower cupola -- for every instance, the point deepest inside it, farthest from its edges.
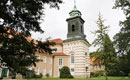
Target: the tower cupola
(75, 12)
(75, 25)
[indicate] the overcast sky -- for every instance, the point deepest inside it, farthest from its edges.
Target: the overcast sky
(55, 25)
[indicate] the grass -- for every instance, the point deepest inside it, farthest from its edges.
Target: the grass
(98, 78)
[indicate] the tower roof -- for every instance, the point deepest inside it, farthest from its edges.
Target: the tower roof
(75, 8)
(75, 12)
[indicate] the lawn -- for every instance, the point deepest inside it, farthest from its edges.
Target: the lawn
(99, 78)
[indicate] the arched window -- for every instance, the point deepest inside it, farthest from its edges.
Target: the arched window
(72, 58)
(73, 28)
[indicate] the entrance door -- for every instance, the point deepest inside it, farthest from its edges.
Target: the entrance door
(4, 72)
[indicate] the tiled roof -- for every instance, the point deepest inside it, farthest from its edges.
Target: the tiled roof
(91, 60)
(59, 54)
(96, 63)
(57, 41)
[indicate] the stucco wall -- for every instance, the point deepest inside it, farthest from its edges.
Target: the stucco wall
(56, 64)
(45, 65)
(79, 48)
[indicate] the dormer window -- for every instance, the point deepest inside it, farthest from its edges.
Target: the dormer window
(73, 28)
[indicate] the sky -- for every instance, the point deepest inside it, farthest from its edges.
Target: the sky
(55, 25)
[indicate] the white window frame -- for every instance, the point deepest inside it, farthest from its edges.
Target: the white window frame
(60, 61)
(50, 71)
(44, 59)
(38, 57)
(72, 72)
(44, 71)
(50, 61)
(59, 71)
(37, 70)
(72, 60)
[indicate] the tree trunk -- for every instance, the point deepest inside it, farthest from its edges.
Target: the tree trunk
(106, 76)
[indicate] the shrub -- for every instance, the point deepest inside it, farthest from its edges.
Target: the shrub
(97, 73)
(47, 75)
(38, 76)
(129, 75)
(92, 74)
(29, 74)
(65, 72)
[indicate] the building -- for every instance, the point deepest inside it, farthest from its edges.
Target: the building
(72, 52)
(95, 67)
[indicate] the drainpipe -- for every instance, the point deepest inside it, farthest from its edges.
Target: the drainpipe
(53, 65)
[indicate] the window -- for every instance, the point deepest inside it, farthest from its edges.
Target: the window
(4, 65)
(44, 71)
(72, 58)
(86, 53)
(50, 61)
(44, 59)
(81, 29)
(72, 71)
(50, 72)
(60, 62)
(56, 50)
(37, 70)
(73, 28)
(38, 57)
(59, 71)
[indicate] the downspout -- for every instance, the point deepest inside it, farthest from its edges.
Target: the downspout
(53, 65)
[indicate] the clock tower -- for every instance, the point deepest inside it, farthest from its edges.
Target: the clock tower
(76, 45)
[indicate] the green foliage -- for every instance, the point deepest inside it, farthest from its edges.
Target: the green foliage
(65, 72)
(97, 73)
(105, 54)
(47, 75)
(129, 75)
(18, 52)
(93, 74)
(22, 16)
(96, 78)
(100, 33)
(122, 39)
(29, 74)
(37, 76)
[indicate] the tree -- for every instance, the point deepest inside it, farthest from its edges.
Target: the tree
(65, 72)
(100, 33)
(19, 53)
(24, 15)
(105, 54)
(122, 39)
(17, 19)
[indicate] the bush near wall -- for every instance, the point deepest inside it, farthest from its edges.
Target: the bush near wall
(65, 72)
(38, 76)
